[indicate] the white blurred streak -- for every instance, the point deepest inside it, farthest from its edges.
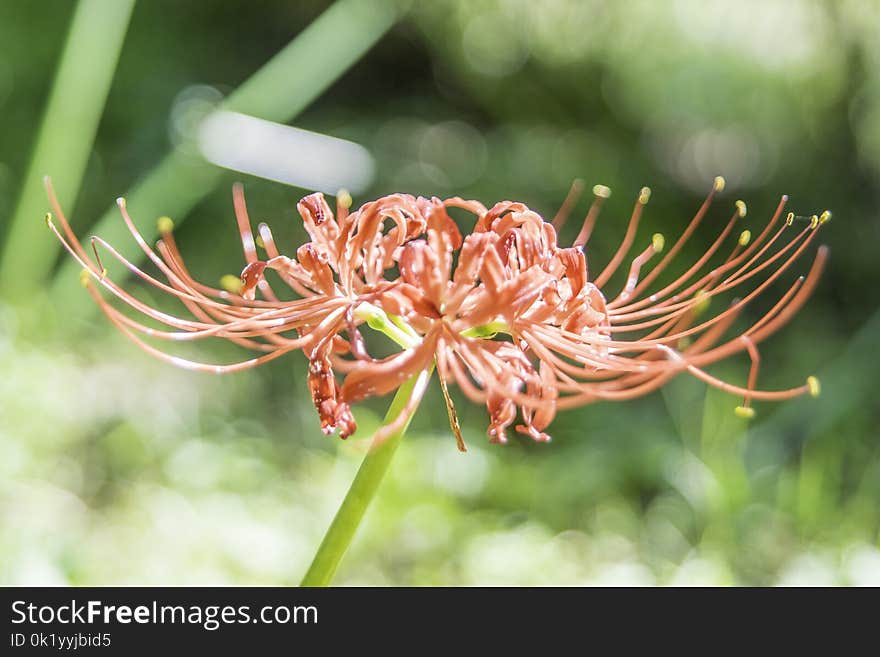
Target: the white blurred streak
(284, 154)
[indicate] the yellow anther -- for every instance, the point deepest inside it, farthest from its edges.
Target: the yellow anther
(789, 220)
(745, 412)
(814, 222)
(718, 184)
(85, 276)
(644, 195)
(231, 283)
(601, 191)
(814, 386)
(165, 225)
(49, 219)
(343, 198)
(259, 242)
(658, 242)
(741, 208)
(745, 237)
(825, 217)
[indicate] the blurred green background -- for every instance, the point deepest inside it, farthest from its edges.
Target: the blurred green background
(115, 469)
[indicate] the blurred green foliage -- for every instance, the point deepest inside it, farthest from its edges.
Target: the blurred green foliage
(116, 469)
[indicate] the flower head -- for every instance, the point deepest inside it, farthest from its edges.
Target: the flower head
(518, 322)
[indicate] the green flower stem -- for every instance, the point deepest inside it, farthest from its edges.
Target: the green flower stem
(350, 514)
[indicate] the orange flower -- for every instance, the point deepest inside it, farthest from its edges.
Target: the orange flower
(504, 312)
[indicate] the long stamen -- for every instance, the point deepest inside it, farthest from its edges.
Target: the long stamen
(70, 240)
(619, 320)
(628, 238)
(600, 193)
(192, 365)
(247, 236)
(571, 199)
(755, 357)
(740, 212)
(717, 186)
(632, 279)
(731, 262)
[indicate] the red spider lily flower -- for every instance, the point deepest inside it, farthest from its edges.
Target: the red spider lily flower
(515, 320)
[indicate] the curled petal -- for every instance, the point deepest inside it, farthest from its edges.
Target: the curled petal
(381, 377)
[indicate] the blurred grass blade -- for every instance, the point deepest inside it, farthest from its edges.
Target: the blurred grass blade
(281, 89)
(65, 137)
